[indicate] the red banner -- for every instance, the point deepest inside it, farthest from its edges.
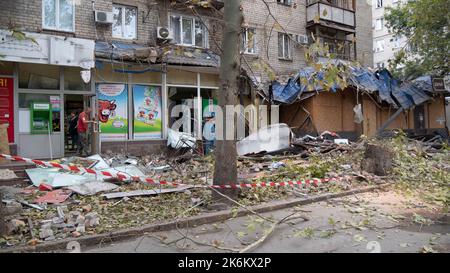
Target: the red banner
(7, 105)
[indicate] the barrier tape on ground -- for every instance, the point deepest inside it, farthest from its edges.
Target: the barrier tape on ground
(126, 177)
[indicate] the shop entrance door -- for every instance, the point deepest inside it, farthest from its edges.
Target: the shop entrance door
(73, 106)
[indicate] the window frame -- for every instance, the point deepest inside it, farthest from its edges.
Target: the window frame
(285, 37)
(57, 28)
(382, 23)
(124, 7)
(377, 48)
(244, 43)
(205, 43)
(380, 4)
(285, 2)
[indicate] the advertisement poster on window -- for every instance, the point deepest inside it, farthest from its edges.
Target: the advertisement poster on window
(55, 101)
(147, 112)
(113, 111)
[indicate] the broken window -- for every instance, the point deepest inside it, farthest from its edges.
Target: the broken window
(125, 22)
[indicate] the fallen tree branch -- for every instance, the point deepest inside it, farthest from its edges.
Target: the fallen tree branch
(271, 230)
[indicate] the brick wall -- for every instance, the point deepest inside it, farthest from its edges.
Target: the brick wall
(26, 15)
(293, 20)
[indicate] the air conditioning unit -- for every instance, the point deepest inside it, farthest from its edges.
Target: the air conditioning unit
(302, 39)
(164, 33)
(102, 17)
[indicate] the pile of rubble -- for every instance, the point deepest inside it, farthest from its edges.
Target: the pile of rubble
(62, 203)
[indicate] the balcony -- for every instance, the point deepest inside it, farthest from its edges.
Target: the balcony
(341, 49)
(336, 14)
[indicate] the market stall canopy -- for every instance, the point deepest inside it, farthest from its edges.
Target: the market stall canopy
(389, 89)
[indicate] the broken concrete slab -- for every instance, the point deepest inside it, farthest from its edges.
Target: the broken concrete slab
(92, 188)
(144, 192)
(6, 174)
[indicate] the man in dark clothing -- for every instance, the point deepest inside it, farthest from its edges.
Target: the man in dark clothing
(73, 122)
(83, 131)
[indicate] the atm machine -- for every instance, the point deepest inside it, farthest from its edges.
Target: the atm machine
(41, 118)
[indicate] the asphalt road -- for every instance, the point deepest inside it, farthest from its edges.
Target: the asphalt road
(371, 222)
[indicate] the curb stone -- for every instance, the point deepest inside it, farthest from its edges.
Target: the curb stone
(205, 218)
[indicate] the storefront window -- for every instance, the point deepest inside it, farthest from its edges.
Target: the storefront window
(73, 80)
(39, 76)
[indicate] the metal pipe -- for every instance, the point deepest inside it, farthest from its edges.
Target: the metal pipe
(389, 121)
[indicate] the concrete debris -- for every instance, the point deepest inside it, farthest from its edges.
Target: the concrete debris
(46, 232)
(93, 188)
(80, 220)
(6, 174)
(12, 208)
(14, 226)
(81, 228)
(92, 219)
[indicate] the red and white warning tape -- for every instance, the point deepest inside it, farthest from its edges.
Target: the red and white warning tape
(126, 177)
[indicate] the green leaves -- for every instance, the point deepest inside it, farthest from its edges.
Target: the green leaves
(425, 24)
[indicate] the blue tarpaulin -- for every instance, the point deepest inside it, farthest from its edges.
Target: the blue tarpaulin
(389, 89)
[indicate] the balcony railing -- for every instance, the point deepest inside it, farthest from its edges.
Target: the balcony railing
(324, 10)
(341, 49)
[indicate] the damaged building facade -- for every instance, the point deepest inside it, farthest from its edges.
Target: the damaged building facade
(373, 101)
(130, 61)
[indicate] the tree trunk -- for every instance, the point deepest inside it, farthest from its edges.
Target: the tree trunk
(225, 171)
(377, 160)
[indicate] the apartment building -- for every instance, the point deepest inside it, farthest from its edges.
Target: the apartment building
(130, 60)
(276, 33)
(385, 44)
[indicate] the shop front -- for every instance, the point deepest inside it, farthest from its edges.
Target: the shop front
(45, 97)
(43, 80)
(134, 103)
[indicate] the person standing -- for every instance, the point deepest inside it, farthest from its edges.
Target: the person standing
(73, 132)
(83, 131)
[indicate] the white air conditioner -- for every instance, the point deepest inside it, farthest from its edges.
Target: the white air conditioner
(102, 17)
(164, 33)
(302, 39)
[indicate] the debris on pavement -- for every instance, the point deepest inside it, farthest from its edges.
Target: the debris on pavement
(54, 197)
(7, 174)
(92, 188)
(268, 139)
(61, 203)
(144, 192)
